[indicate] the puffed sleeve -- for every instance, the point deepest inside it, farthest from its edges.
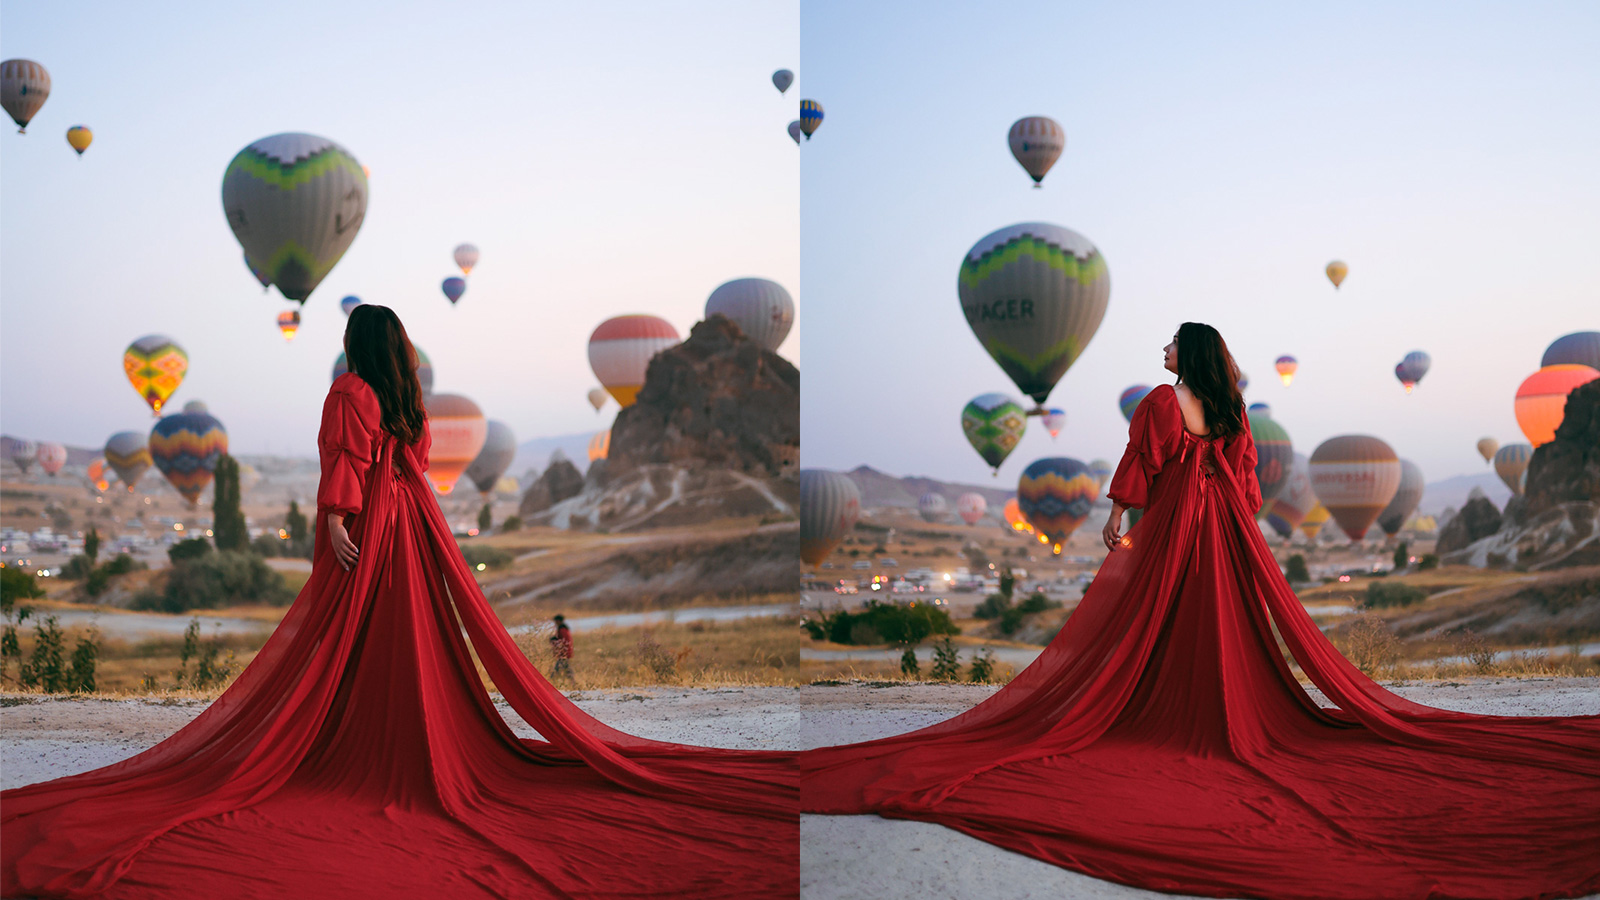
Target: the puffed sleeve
(1241, 453)
(424, 444)
(1155, 423)
(345, 445)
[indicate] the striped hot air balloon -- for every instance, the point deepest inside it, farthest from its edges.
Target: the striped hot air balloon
(1312, 524)
(1054, 420)
(24, 86)
(186, 447)
(155, 366)
(499, 447)
(1102, 470)
(1259, 409)
(51, 456)
(459, 430)
(1542, 400)
(1355, 476)
(1295, 501)
(1286, 367)
(1036, 142)
(466, 256)
(1411, 369)
(1511, 464)
(1581, 348)
(1129, 399)
(932, 507)
(810, 117)
(1406, 498)
(1056, 495)
(1274, 457)
(971, 506)
(289, 323)
(762, 309)
(620, 351)
(994, 425)
(830, 504)
(424, 369)
(600, 445)
(128, 454)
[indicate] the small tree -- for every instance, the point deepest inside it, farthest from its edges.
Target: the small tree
(485, 519)
(15, 585)
(982, 670)
(1296, 570)
(946, 661)
(1402, 555)
(295, 523)
(227, 527)
(91, 545)
(1007, 583)
(909, 666)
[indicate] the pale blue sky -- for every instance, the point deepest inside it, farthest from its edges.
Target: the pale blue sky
(1219, 155)
(607, 158)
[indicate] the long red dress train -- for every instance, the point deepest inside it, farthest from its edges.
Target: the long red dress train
(359, 755)
(1162, 741)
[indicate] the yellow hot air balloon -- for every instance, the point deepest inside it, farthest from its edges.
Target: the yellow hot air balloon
(289, 323)
(1336, 272)
(1486, 448)
(155, 366)
(459, 431)
(1314, 520)
(80, 137)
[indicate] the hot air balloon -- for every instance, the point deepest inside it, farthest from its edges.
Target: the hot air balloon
(600, 445)
(1012, 513)
(1581, 348)
(1406, 498)
(1355, 476)
(196, 406)
(466, 256)
(971, 506)
(994, 425)
(1336, 271)
(762, 309)
(932, 507)
(259, 275)
(1411, 369)
(830, 504)
(289, 323)
(781, 80)
(1244, 381)
(1102, 470)
(295, 203)
(453, 288)
(1511, 464)
(620, 351)
(1054, 420)
(24, 86)
(155, 366)
(1274, 456)
(424, 369)
(810, 117)
(1542, 400)
(1314, 520)
(1486, 448)
(597, 398)
(1056, 495)
(1287, 510)
(794, 131)
(1259, 409)
(349, 303)
(1129, 400)
(185, 447)
(128, 454)
(1034, 295)
(24, 454)
(499, 447)
(1286, 366)
(79, 137)
(459, 431)
(97, 475)
(51, 457)
(1036, 142)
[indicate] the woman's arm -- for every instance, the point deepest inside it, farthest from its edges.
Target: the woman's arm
(343, 548)
(1112, 533)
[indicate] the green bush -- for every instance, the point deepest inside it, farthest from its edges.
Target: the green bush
(122, 564)
(1295, 571)
(993, 607)
(48, 667)
(1038, 602)
(982, 671)
(882, 622)
(268, 545)
(512, 523)
(216, 580)
(77, 568)
(1428, 561)
(491, 557)
(909, 666)
(946, 662)
(193, 548)
(1402, 555)
(1391, 593)
(1011, 620)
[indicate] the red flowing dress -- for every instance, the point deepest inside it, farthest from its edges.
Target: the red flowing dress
(359, 754)
(1162, 741)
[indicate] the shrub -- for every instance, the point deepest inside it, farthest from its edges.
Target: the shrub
(91, 543)
(217, 580)
(1011, 620)
(512, 523)
(1428, 561)
(78, 567)
(946, 661)
(490, 557)
(97, 582)
(193, 548)
(1402, 555)
(1471, 645)
(1037, 602)
(909, 666)
(208, 670)
(122, 564)
(882, 622)
(982, 670)
(48, 668)
(268, 545)
(1371, 646)
(1295, 571)
(1389, 593)
(992, 607)
(485, 519)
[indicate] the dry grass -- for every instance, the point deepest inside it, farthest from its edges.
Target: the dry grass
(695, 654)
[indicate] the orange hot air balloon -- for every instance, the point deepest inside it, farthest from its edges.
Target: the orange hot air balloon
(97, 475)
(459, 429)
(1014, 517)
(289, 323)
(1286, 366)
(1355, 476)
(620, 351)
(600, 445)
(1337, 270)
(1542, 400)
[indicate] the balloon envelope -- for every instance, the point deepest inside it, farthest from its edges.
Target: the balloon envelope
(1289, 508)
(1012, 513)
(289, 323)
(24, 86)
(597, 398)
(1412, 368)
(1314, 520)
(810, 117)
(459, 430)
(424, 369)
(499, 447)
(1511, 464)
(25, 454)
(1486, 448)
(51, 457)
(971, 506)
(466, 256)
(128, 454)
(185, 447)
(453, 288)
(1286, 366)
(97, 475)
(621, 348)
(830, 504)
(762, 309)
(600, 445)
(155, 366)
(1102, 470)
(1541, 402)
(1406, 498)
(1274, 457)
(1259, 409)
(794, 130)
(1129, 400)
(1581, 348)
(994, 425)
(79, 137)
(1336, 272)
(932, 507)
(781, 80)
(1056, 495)
(349, 303)
(1054, 421)
(1036, 142)
(1355, 476)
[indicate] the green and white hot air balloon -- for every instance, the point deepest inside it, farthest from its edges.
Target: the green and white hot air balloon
(994, 425)
(295, 203)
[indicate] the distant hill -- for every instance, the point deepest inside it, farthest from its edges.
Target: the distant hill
(1452, 492)
(534, 454)
(881, 489)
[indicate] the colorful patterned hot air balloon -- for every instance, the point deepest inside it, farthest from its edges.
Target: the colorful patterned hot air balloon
(620, 351)
(830, 504)
(1355, 476)
(1129, 400)
(1411, 369)
(1336, 271)
(971, 506)
(295, 203)
(155, 366)
(781, 80)
(128, 454)
(499, 447)
(1286, 366)
(762, 309)
(1274, 457)
(1289, 508)
(597, 398)
(994, 425)
(289, 323)
(600, 445)
(24, 86)
(97, 475)
(453, 288)
(1511, 464)
(1314, 520)
(24, 454)
(1259, 409)
(810, 117)
(459, 431)
(1581, 348)
(1406, 498)
(1036, 142)
(932, 507)
(1486, 448)
(79, 137)
(1034, 295)
(1056, 495)
(466, 256)
(51, 457)
(259, 275)
(1054, 420)
(1012, 513)
(349, 303)
(1542, 400)
(424, 369)
(1102, 470)
(185, 447)
(794, 131)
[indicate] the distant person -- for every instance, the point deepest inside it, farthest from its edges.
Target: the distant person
(561, 645)
(360, 754)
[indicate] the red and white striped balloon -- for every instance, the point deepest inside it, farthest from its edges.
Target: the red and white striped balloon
(620, 351)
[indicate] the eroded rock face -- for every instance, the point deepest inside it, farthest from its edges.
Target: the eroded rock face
(559, 482)
(1566, 470)
(1476, 521)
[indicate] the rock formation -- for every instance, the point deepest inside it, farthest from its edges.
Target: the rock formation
(1477, 520)
(561, 481)
(1567, 469)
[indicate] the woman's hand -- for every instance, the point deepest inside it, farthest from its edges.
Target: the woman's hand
(346, 551)
(1112, 533)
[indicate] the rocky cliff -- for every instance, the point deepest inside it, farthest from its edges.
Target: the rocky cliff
(1566, 470)
(1476, 521)
(561, 481)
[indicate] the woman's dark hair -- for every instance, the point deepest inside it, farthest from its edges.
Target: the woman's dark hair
(1206, 366)
(378, 350)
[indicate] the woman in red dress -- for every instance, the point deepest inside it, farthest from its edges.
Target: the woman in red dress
(1163, 741)
(359, 754)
